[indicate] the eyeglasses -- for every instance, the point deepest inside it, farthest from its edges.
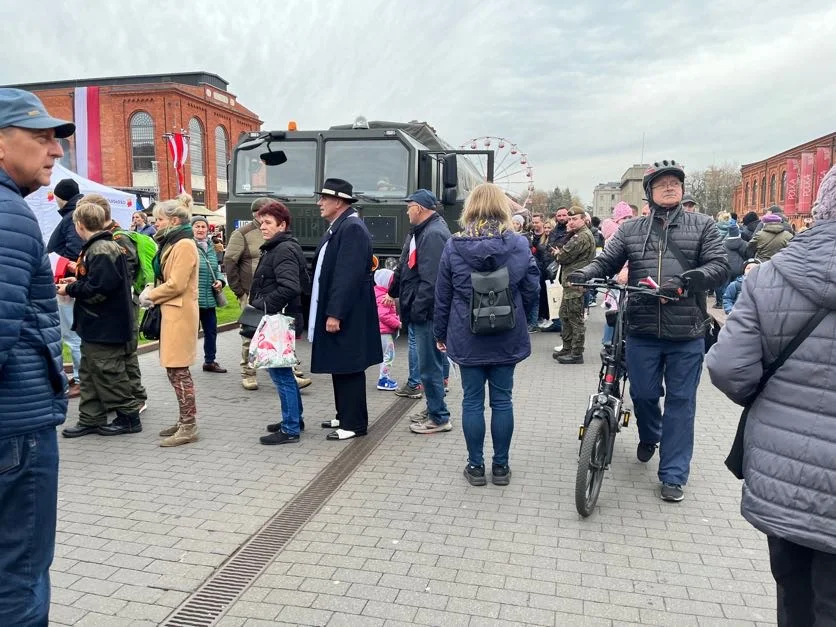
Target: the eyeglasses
(668, 185)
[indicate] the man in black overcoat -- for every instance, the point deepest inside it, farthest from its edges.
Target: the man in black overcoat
(343, 324)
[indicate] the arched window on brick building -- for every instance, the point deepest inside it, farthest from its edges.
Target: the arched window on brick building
(746, 196)
(221, 158)
(196, 161)
(142, 150)
(772, 190)
(755, 193)
(763, 192)
(783, 186)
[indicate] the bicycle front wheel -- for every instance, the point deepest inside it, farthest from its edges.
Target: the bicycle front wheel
(591, 465)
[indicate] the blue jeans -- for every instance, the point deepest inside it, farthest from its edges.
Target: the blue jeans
(70, 337)
(531, 314)
(289, 397)
(209, 322)
(431, 367)
(412, 359)
(500, 380)
(649, 361)
(28, 503)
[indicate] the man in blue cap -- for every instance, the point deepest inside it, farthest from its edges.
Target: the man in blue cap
(33, 397)
(414, 284)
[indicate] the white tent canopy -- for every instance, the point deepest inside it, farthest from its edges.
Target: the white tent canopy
(42, 202)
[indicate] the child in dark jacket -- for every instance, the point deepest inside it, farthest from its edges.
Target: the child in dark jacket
(390, 323)
(734, 288)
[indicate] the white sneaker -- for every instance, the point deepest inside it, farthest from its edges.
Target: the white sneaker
(544, 324)
(143, 408)
(557, 349)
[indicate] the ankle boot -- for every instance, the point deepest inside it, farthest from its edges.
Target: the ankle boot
(169, 431)
(185, 434)
(123, 423)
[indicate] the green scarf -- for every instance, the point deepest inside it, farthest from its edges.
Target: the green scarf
(166, 238)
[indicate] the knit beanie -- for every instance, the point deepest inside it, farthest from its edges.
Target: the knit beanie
(825, 208)
(734, 230)
(66, 189)
(771, 218)
(750, 218)
(622, 211)
(196, 219)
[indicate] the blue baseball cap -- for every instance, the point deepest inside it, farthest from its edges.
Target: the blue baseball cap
(24, 109)
(423, 197)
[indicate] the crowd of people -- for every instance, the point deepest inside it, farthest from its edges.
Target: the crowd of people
(472, 297)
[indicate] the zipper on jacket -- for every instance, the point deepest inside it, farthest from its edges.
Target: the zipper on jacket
(659, 282)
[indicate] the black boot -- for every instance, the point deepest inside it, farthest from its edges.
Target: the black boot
(123, 423)
(571, 358)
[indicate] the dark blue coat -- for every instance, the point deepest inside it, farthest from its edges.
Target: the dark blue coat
(32, 381)
(64, 240)
(346, 292)
(451, 324)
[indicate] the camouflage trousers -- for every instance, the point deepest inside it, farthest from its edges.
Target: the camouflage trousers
(181, 381)
(573, 328)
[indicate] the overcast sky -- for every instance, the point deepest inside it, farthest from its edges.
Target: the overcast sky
(575, 84)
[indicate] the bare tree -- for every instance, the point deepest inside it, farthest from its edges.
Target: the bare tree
(713, 188)
(540, 201)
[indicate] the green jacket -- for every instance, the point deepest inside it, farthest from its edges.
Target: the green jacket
(771, 239)
(208, 263)
(575, 254)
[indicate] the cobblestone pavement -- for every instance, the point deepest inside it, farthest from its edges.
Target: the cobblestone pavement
(405, 540)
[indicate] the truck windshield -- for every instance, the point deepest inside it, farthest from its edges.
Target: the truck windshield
(296, 177)
(378, 168)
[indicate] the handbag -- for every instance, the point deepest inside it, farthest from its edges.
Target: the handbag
(734, 461)
(554, 296)
(220, 297)
(274, 343)
(250, 319)
(552, 270)
(151, 324)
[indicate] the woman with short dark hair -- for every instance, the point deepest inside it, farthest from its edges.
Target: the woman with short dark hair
(277, 287)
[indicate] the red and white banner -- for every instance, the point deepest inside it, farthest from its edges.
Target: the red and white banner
(805, 183)
(823, 158)
(178, 150)
(88, 133)
(791, 192)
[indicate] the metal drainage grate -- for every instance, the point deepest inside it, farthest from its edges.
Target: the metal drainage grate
(225, 585)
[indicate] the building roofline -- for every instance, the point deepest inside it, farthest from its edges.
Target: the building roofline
(197, 78)
(828, 137)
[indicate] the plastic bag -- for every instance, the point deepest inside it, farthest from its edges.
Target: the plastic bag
(274, 343)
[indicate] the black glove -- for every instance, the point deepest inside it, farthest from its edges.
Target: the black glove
(672, 288)
(695, 280)
(576, 277)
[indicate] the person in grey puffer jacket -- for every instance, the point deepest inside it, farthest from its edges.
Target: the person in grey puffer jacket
(665, 339)
(789, 460)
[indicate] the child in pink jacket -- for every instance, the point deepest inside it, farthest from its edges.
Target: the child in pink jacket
(389, 325)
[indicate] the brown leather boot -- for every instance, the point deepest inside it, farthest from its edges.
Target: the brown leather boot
(185, 434)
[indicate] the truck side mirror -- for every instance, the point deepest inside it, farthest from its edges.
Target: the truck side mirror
(448, 196)
(450, 180)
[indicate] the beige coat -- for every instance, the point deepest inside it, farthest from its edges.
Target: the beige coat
(177, 296)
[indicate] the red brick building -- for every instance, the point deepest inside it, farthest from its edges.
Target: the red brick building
(766, 183)
(135, 112)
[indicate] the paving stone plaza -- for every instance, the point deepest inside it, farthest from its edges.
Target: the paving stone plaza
(404, 539)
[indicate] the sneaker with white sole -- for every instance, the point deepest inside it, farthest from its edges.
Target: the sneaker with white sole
(428, 426)
(421, 416)
(142, 407)
(387, 385)
(407, 391)
(672, 492)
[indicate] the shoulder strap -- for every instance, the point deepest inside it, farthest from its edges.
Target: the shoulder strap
(672, 246)
(789, 349)
(205, 256)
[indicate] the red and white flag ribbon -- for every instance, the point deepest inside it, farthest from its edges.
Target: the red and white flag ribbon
(178, 150)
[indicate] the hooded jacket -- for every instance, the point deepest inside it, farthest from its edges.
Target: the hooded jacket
(770, 240)
(32, 380)
(453, 289)
(736, 249)
(280, 278)
(64, 240)
(635, 242)
(386, 314)
(789, 460)
(416, 286)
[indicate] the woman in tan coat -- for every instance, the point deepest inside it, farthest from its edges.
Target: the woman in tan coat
(176, 270)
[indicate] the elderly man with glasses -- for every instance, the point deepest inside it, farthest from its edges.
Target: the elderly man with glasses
(683, 252)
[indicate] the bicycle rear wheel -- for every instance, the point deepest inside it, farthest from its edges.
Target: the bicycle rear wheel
(591, 464)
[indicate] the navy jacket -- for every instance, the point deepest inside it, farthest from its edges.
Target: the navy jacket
(32, 380)
(346, 292)
(451, 324)
(64, 240)
(416, 286)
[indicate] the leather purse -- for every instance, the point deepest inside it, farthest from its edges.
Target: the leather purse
(151, 324)
(249, 320)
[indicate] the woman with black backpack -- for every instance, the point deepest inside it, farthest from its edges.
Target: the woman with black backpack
(486, 336)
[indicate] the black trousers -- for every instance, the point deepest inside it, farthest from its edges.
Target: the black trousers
(806, 584)
(350, 401)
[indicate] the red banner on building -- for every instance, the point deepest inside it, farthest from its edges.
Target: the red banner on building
(178, 150)
(823, 158)
(791, 191)
(805, 183)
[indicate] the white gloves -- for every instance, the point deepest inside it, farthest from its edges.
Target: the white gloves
(144, 301)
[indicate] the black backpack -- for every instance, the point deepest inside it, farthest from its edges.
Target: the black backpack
(491, 303)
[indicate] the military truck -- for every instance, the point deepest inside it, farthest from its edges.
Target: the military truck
(384, 161)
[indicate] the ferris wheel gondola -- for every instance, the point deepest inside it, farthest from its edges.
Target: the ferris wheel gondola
(512, 170)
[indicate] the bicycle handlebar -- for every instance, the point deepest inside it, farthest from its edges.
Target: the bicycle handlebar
(612, 284)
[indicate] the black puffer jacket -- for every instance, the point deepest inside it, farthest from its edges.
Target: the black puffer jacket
(280, 278)
(634, 242)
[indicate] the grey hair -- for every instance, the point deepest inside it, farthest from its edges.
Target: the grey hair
(173, 209)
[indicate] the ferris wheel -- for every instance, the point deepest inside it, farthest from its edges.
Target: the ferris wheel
(512, 170)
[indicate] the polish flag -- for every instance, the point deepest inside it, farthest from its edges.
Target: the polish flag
(88, 134)
(178, 150)
(413, 253)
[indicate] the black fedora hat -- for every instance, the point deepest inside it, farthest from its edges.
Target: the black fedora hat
(339, 189)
